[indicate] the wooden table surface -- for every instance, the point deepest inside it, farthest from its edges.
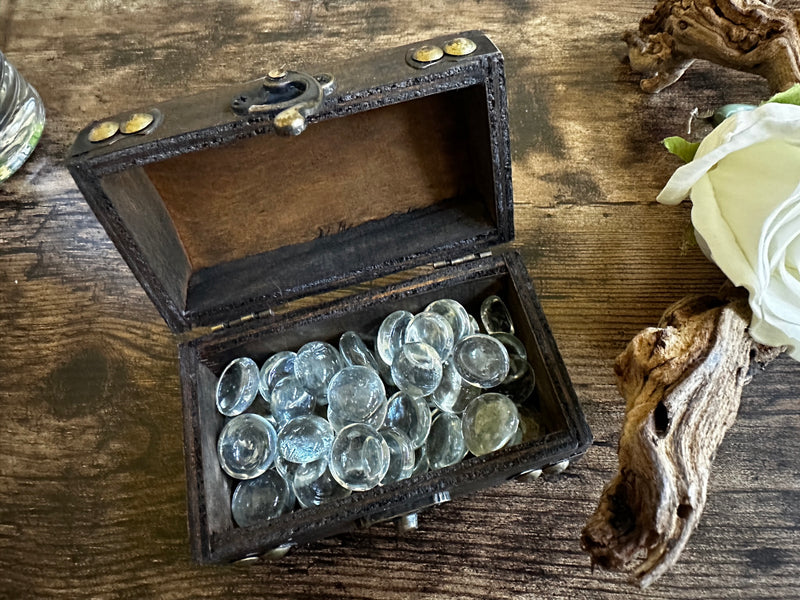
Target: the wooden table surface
(92, 487)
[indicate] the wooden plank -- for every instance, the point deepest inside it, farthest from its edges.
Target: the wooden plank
(92, 495)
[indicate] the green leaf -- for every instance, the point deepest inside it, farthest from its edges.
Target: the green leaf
(681, 148)
(790, 96)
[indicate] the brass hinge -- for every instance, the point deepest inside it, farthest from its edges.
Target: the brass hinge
(243, 319)
(461, 259)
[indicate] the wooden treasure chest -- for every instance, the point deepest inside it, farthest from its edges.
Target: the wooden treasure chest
(261, 216)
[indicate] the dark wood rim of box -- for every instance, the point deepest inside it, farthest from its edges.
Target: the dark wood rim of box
(357, 92)
(390, 501)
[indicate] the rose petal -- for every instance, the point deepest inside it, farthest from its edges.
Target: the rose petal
(720, 240)
(743, 129)
(746, 213)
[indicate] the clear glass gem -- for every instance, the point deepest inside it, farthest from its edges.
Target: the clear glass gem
(315, 366)
(355, 352)
(401, 455)
(489, 422)
(375, 420)
(453, 393)
(355, 393)
(275, 368)
(520, 381)
(473, 326)
(517, 437)
(246, 446)
(237, 387)
(530, 422)
(417, 369)
(385, 371)
(313, 488)
(481, 360)
(495, 316)
(445, 445)
(421, 462)
(455, 313)
(285, 468)
(359, 457)
(411, 415)
(290, 400)
(432, 329)
(305, 439)
(513, 344)
(391, 334)
(259, 499)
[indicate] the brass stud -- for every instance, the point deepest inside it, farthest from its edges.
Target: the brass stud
(136, 123)
(406, 523)
(531, 475)
(277, 553)
(427, 54)
(103, 130)
(289, 122)
(276, 74)
(460, 46)
(557, 468)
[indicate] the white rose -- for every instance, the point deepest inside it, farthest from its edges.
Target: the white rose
(745, 190)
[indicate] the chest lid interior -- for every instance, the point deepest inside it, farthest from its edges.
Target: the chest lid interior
(402, 163)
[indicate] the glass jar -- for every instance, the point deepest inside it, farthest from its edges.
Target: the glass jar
(21, 119)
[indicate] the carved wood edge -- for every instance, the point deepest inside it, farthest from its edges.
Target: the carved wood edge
(746, 35)
(682, 382)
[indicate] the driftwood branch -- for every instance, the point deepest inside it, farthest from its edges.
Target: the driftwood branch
(746, 35)
(682, 382)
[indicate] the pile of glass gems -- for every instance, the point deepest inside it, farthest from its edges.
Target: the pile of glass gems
(329, 428)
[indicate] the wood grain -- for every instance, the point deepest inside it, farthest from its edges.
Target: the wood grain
(92, 491)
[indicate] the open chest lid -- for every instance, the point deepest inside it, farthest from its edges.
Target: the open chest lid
(404, 161)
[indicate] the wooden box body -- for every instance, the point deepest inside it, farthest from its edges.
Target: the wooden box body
(225, 224)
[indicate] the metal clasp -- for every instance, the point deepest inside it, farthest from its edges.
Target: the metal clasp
(288, 97)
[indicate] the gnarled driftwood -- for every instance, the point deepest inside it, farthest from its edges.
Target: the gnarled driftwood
(682, 382)
(747, 35)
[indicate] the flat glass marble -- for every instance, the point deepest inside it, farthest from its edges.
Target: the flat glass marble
(520, 381)
(417, 369)
(275, 368)
(285, 468)
(512, 343)
(453, 393)
(495, 316)
(401, 455)
(530, 422)
(305, 439)
(421, 462)
(410, 415)
(355, 393)
(455, 313)
(315, 366)
(489, 422)
(375, 420)
(432, 329)
(237, 387)
(517, 437)
(313, 487)
(259, 499)
(445, 445)
(246, 446)
(359, 457)
(481, 360)
(355, 352)
(391, 334)
(290, 400)
(473, 326)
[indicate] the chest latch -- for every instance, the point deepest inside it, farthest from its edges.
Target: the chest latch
(288, 97)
